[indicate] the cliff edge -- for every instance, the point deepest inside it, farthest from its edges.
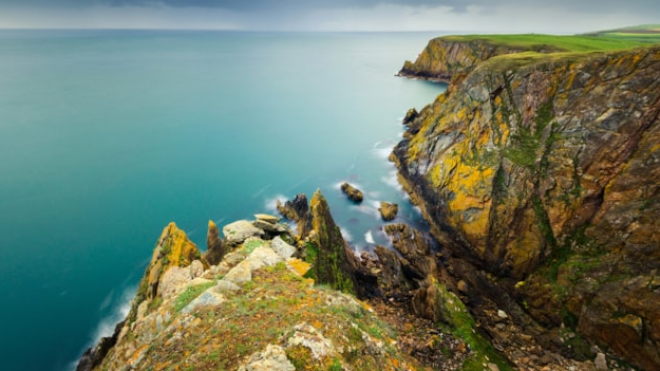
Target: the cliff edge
(541, 174)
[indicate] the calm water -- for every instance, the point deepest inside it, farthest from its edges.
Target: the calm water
(106, 136)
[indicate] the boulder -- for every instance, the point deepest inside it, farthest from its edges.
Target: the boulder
(388, 210)
(297, 210)
(353, 193)
(267, 218)
(272, 359)
(237, 232)
(269, 227)
(282, 248)
(207, 298)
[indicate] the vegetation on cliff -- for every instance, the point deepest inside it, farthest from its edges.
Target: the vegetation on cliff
(543, 171)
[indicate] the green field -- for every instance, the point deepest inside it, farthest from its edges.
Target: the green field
(619, 39)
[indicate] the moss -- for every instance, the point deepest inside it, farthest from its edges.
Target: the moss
(543, 221)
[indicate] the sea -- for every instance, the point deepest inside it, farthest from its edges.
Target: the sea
(107, 136)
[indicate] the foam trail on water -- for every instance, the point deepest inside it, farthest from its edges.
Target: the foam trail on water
(261, 191)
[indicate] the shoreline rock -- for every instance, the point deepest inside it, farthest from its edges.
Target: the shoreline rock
(352, 193)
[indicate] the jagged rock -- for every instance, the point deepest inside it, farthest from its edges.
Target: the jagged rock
(353, 193)
(94, 355)
(533, 165)
(282, 248)
(391, 278)
(388, 211)
(297, 210)
(427, 302)
(335, 263)
(237, 232)
(207, 298)
(411, 115)
(272, 359)
(417, 261)
(215, 247)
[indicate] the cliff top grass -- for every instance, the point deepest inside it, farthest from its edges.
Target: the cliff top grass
(574, 43)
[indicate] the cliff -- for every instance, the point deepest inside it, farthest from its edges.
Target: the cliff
(541, 174)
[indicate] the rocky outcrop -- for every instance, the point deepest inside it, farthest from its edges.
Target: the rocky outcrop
(215, 247)
(254, 310)
(447, 56)
(388, 211)
(352, 193)
(297, 211)
(542, 170)
(334, 263)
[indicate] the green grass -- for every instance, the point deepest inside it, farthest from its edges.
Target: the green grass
(190, 294)
(554, 43)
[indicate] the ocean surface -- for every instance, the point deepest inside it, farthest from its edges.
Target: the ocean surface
(107, 136)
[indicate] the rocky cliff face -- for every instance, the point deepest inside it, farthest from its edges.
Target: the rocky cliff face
(543, 171)
(444, 57)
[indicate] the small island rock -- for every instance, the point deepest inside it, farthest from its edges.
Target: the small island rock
(353, 193)
(388, 210)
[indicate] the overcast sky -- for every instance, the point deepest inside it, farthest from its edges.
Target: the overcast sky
(541, 16)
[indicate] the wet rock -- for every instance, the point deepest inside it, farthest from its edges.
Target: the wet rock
(215, 247)
(388, 211)
(237, 232)
(94, 355)
(352, 193)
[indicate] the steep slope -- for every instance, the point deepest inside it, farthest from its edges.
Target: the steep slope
(543, 171)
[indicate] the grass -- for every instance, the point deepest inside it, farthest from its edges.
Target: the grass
(554, 43)
(190, 294)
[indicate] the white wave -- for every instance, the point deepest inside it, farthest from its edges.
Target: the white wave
(382, 153)
(368, 210)
(344, 233)
(376, 145)
(271, 202)
(392, 180)
(369, 237)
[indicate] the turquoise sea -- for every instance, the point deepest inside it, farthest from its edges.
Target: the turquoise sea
(106, 136)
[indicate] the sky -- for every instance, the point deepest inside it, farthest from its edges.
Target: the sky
(494, 16)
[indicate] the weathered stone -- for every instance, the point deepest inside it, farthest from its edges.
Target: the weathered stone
(263, 256)
(272, 359)
(215, 247)
(388, 211)
(335, 263)
(240, 273)
(297, 210)
(309, 337)
(601, 362)
(207, 298)
(237, 232)
(352, 193)
(196, 269)
(417, 262)
(272, 219)
(502, 314)
(282, 248)
(269, 227)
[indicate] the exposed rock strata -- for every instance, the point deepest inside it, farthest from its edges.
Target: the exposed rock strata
(543, 172)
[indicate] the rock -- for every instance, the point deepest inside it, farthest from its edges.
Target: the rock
(353, 193)
(388, 211)
(269, 227)
(272, 359)
(522, 160)
(282, 248)
(493, 367)
(335, 263)
(417, 262)
(196, 269)
(307, 336)
(207, 298)
(462, 286)
(600, 362)
(237, 232)
(172, 281)
(267, 218)
(411, 115)
(225, 286)
(297, 210)
(215, 247)
(94, 355)
(240, 273)
(502, 314)
(263, 256)
(391, 278)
